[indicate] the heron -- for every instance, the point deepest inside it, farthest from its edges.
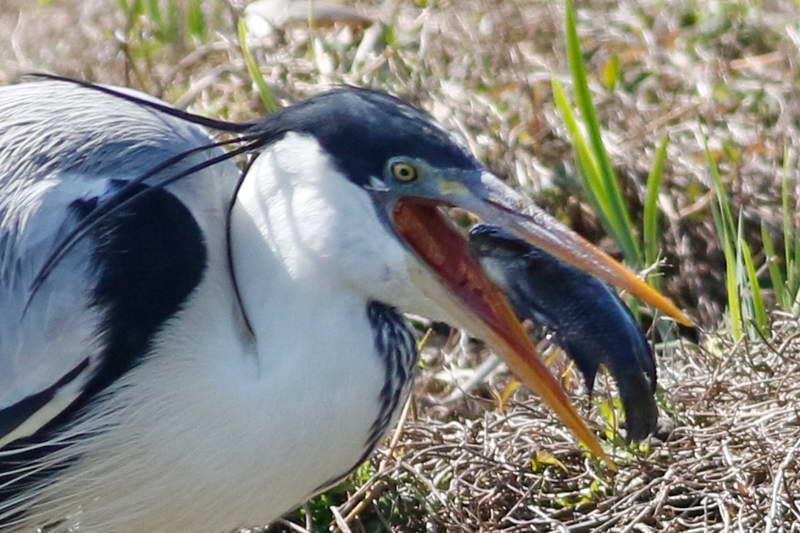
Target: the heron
(186, 346)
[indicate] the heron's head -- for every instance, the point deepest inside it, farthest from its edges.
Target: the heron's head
(411, 170)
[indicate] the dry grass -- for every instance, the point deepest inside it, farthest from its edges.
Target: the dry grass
(728, 70)
(726, 460)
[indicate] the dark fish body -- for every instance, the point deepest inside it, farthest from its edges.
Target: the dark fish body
(590, 322)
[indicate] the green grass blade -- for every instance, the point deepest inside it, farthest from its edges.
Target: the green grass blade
(588, 165)
(173, 20)
(611, 73)
(731, 288)
(726, 229)
(752, 285)
(255, 73)
(594, 200)
(650, 222)
(619, 216)
(154, 13)
(721, 192)
(788, 227)
(137, 8)
(166, 28)
(792, 275)
(196, 19)
(789, 233)
(774, 269)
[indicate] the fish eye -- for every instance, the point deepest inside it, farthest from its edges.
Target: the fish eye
(404, 171)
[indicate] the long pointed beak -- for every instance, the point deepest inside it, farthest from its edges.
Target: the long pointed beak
(475, 303)
(499, 205)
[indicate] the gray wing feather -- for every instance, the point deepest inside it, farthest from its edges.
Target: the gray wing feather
(60, 144)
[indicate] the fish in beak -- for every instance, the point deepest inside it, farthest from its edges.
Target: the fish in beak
(588, 320)
(473, 300)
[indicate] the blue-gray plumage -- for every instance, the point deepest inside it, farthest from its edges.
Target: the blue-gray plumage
(591, 323)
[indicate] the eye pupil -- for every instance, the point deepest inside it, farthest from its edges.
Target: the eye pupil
(404, 171)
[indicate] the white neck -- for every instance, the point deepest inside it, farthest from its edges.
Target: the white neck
(299, 225)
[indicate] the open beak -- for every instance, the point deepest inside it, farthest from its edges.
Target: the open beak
(477, 304)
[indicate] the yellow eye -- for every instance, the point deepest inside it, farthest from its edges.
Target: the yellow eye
(404, 172)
